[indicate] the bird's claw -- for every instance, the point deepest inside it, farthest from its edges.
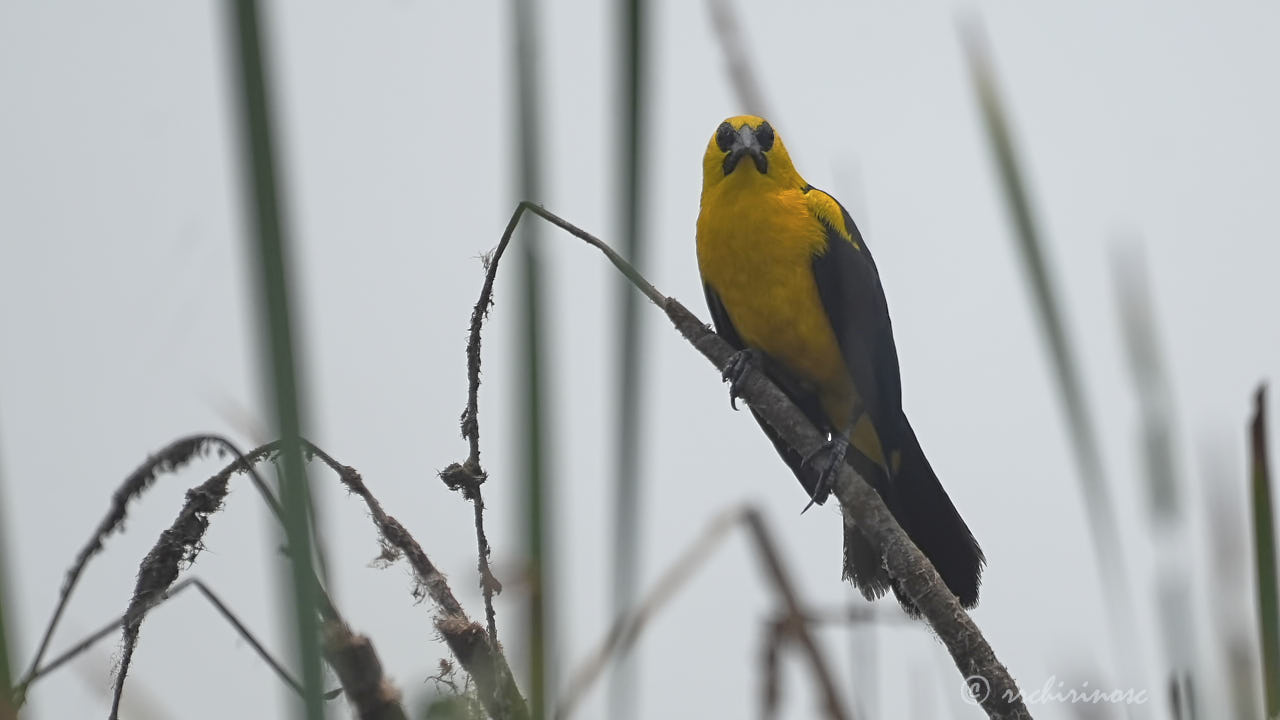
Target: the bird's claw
(835, 447)
(736, 369)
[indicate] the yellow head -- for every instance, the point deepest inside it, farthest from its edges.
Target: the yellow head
(746, 151)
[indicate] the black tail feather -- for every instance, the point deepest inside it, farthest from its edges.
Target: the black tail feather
(863, 566)
(933, 523)
(921, 506)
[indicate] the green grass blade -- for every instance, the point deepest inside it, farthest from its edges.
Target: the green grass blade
(1165, 504)
(1264, 544)
(628, 507)
(280, 369)
(7, 711)
(1105, 531)
(533, 425)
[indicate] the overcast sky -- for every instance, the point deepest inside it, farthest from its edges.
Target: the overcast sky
(125, 314)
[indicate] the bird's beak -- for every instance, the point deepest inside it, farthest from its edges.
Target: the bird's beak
(745, 143)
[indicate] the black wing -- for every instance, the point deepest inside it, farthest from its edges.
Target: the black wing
(849, 286)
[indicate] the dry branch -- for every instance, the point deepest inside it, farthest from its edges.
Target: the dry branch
(358, 668)
(467, 478)
(627, 628)
(93, 638)
(177, 548)
(796, 626)
(861, 504)
(467, 639)
(169, 459)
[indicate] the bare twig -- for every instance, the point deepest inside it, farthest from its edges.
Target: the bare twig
(468, 640)
(360, 671)
(780, 630)
(469, 476)
(458, 477)
(243, 631)
(774, 568)
(169, 459)
(627, 628)
(113, 626)
(777, 633)
(861, 504)
(179, 546)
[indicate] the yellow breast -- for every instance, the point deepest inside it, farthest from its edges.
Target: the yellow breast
(756, 250)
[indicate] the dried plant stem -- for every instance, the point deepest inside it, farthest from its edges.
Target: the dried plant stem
(467, 478)
(792, 619)
(178, 547)
(358, 668)
(351, 656)
(627, 628)
(467, 639)
(173, 592)
(796, 626)
(168, 460)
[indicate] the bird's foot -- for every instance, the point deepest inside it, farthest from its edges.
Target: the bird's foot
(736, 369)
(834, 448)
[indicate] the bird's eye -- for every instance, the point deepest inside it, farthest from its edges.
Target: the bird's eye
(725, 136)
(764, 136)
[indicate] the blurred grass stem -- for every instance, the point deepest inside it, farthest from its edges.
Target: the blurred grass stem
(280, 369)
(7, 710)
(532, 425)
(1166, 514)
(1264, 541)
(628, 506)
(1105, 531)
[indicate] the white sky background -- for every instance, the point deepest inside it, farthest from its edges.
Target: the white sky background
(125, 313)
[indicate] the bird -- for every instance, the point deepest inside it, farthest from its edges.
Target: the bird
(792, 286)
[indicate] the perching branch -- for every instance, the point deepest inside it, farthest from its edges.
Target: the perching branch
(861, 504)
